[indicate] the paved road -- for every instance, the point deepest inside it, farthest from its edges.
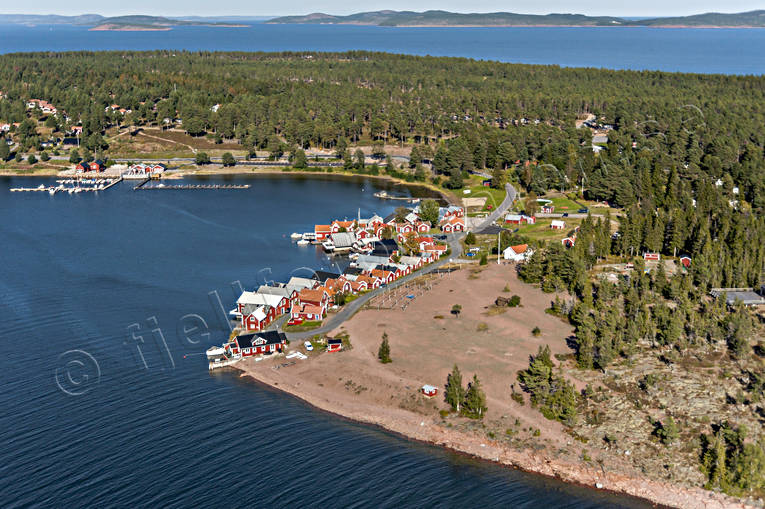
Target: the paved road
(347, 311)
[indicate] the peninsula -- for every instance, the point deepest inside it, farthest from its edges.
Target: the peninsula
(620, 343)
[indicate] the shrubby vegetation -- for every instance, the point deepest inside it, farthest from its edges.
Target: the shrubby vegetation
(552, 393)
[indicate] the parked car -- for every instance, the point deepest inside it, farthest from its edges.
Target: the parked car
(308, 346)
(584, 211)
(565, 214)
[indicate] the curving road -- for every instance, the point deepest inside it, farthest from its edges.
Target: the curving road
(347, 311)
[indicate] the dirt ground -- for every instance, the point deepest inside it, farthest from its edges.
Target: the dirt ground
(426, 340)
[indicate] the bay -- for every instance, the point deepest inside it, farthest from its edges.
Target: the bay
(725, 51)
(83, 276)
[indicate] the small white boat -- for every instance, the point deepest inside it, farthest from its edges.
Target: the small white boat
(77, 189)
(41, 186)
(52, 191)
(296, 236)
(70, 190)
(309, 236)
(215, 351)
(303, 242)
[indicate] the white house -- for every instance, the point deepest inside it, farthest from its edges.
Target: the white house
(517, 253)
(557, 224)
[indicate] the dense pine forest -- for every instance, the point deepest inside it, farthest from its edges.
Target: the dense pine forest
(685, 157)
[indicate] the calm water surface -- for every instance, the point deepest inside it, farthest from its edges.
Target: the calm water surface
(726, 51)
(80, 272)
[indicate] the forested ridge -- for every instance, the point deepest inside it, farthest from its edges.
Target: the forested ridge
(685, 156)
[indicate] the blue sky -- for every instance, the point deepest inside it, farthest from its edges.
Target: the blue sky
(263, 8)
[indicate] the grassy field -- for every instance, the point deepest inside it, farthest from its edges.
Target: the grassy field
(542, 231)
(305, 326)
(563, 203)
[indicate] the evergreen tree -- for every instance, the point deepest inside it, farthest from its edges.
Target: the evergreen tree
(475, 400)
(383, 353)
(429, 211)
(455, 392)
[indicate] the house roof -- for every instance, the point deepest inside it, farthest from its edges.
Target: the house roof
(410, 260)
(282, 291)
(323, 228)
(384, 247)
(353, 271)
(334, 341)
(558, 222)
(307, 308)
(369, 280)
(520, 248)
(371, 258)
(301, 282)
(492, 229)
(268, 299)
(382, 274)
(307, 295)
(322, 275)
(260, 339)
(343, 239)
(257, 311)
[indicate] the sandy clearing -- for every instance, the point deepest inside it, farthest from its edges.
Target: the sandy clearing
(355, 385)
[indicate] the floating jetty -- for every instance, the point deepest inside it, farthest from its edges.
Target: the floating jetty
(91, 186)
(158, 187)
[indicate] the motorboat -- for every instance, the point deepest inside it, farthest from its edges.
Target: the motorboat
(215, 351)
(303, 242)
(296, 236)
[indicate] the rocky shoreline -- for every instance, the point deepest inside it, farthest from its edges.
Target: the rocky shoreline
(426, 430)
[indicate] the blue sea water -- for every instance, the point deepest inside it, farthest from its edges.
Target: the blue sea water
(726, 51)
(98, 286)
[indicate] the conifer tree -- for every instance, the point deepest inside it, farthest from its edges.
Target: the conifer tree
(475, 400)
(455, 392)
(384, 351)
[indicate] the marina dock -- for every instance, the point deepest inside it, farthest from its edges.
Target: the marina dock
(75, 186)
(159, 187)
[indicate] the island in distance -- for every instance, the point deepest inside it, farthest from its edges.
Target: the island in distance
(437, 18)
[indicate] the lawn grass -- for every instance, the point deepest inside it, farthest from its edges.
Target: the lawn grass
(305, 326)
(542, 231)
(494, 197)
(563, 204)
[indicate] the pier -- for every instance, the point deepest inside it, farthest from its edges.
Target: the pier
(159, 187)
(91, 186)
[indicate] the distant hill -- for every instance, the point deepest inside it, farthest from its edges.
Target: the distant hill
(140, 22)
(715, 19)
(445, 18)
(49, 19)
(98, 22)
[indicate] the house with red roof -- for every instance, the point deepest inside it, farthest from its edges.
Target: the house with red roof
(322, 231)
